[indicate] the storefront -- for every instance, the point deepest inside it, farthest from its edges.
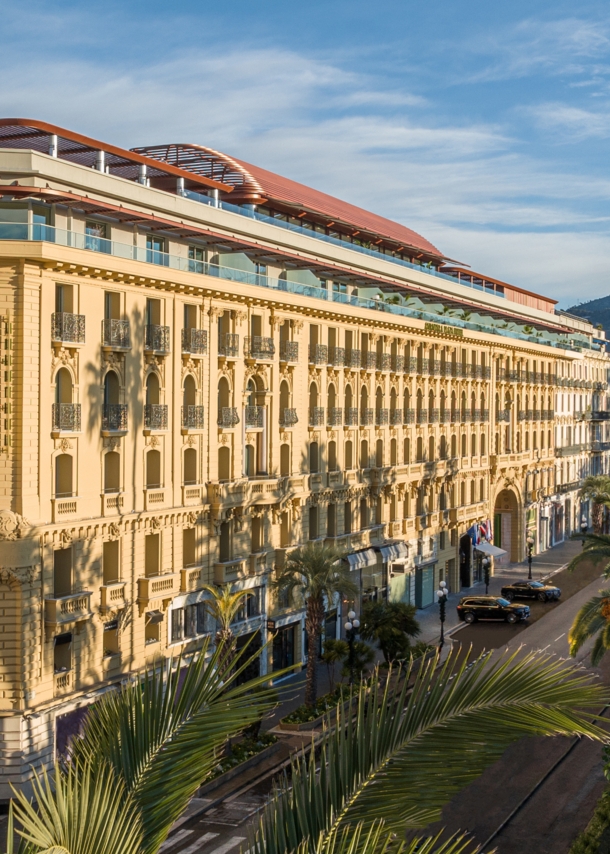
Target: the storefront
(424, 584)
(367, 574)
(283, 644)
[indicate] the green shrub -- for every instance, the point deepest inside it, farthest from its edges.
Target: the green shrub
(242, 750)
(589, 840)
(303, 714)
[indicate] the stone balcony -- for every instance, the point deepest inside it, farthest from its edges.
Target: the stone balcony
(63, 610)
(190, 579)
(229, 571)
(157, 587)
(112, 595)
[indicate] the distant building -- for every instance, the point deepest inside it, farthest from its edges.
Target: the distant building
(205, 365)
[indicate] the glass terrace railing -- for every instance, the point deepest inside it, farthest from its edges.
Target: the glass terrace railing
(48, 233)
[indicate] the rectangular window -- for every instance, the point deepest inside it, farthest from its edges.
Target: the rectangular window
(196, 259)
(177, 624)
(112, 305)
(111, 638)
(153, 312)
(155, 250)
(110, 561)
(62, 573)
(151, 554)
(64, 299)
(62, 652)
(96, 234)
(189, 547)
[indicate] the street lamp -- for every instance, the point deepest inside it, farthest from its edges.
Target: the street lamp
(351, 629)
(486, 572)
(584, 527)
(441, 596)
(530, 542)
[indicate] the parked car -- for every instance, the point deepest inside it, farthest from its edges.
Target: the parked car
(531, 590)
(473, 608)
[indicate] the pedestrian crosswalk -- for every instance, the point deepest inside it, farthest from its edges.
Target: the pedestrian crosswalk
(200, 844)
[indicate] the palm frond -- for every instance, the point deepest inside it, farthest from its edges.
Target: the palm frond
(224, 604)
(596, 549)
(376, 840)
(162, 734)
(588, 621)
(85, 810)
(410, 749)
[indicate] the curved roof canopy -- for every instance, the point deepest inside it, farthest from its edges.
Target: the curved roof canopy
(253, 185)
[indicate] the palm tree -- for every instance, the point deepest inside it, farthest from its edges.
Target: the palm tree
(223, 607)
(391, 625)
(596, 487)
(318, 574)
(414, 744)
(114, 787)
(593, 620)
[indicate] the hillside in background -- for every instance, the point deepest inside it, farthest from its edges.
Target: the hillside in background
(596, 311)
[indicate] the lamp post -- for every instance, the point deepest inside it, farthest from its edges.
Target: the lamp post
(441, 596)
(584, 527)
(486, 572)
(530, 542)
(351, 629)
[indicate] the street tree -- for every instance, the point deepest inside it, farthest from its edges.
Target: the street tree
(391, 625)
(596, 488)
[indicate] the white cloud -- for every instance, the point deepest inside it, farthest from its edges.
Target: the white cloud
(575, 123)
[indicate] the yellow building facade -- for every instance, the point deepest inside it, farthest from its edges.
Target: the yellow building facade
(190, 390)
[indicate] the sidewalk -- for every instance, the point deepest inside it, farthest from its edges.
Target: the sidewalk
(542, 565)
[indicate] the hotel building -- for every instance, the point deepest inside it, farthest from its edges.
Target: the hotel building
(205, 365)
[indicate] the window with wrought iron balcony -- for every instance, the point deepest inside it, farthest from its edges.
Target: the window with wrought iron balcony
(228, 345)
(366, 416)
(192, 413)
(335, 416)
(66, 416)
(289, 351)
(195, 341)
(316, 416)
(318, 354)
(156, 336)
(259, 347)
(114, 413)
(288, 417)
(336, 356)
(382, 417)
(352, 358)
(254, 416)
(115, 331)
(351, 416)
(66, 326)
(155, 413)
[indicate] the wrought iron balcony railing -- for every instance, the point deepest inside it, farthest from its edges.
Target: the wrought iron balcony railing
(228, 345)
(408, 416)
(195, 341)
(228, 416)
(382, 416)
(289, 351)
(192, 417)
(288, 417)
(411, 365)
(335, 416)
(258, 347)
(395, 416)
(66, 417)
(433, 416)
(336, 356)
(384, 362)
(369, 361)
(398, 364)
(503, 415)
(366, 417)
(316, 416)
(155, 416)
(351, 416)
(422, 416)
(353, 358)
(68, 328)
(254, 416)
(318, 354)
(156, 338)
(116, 334)
(114, 417)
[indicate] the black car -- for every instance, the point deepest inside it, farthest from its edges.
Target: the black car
(531, 590)
(473, 608)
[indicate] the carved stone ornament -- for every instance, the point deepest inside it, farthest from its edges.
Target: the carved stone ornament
(297, 325)
(65, 445)
(154, 441)
(63, 358)
(216, 311)
(114, 532)
(18, 574)
(250, 437)
(112, 443)
(240, 316)
(191, 518)
(65, 538)
(155, 523)
(113, 360)
(224, 439)
(12, 525)
(284, 436)
(274, 321)
(189, 367)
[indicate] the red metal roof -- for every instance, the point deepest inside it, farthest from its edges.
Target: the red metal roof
(255, 185)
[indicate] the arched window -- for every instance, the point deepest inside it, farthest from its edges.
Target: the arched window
(462, 494)
(153, 469)
(189, 391)
(482, 490)
(379, 399)
(483, 445)
(112, 472)
(364, 454)
(379, 453)
(364, 513)
(313, 396)
(364, 398)
(63, 386)
(454, 446)
(464, 448)
(431, 448)
(332, 397)
(443, 406)
(443, 451)
(111, 389)
(224, 394)
(393, 398)
(349, 455)
(349, 397)
(393, 452)
(314, 458)
(64, 486)
(407, 451)
(420, 450)
(284, 397)
(224, 463)
(152, 389)
(473, 445)
(332, 456)
(190, 466)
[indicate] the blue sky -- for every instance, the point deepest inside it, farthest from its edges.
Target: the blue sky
(484, 126)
